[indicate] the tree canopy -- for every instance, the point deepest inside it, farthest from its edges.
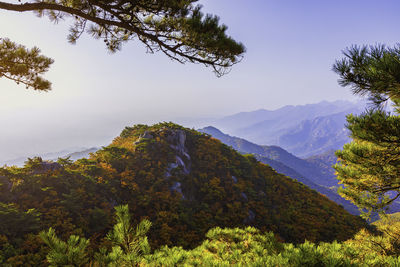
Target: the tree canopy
(369, 166)
(176, 28)
(372, 71)
(24, 65)
(235, 247)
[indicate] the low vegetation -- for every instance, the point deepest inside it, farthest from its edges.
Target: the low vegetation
(227, 247)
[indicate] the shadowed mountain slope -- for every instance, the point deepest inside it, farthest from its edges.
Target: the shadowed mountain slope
(314, 173)
(306, 168)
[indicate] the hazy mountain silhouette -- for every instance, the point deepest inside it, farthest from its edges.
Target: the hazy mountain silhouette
(73, 153)
(302, 130)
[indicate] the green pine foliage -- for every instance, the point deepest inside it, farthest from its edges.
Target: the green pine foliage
(371, 71)
(177, 28)
(369, 166)
(23, 65)
(385, 240)
(70, 253)
(233, 247)
(250, 247)
(129, 243)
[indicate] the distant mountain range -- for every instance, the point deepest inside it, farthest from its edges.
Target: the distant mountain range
(74, 154)
(302, 130)
(316, 172)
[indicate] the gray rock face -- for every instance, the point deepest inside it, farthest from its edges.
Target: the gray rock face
(170, 167)
(177, 187)
(235, 180)
(177, 141)
(182, 164)
(145, 135)
(178, 163)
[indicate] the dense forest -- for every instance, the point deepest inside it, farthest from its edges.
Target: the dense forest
(184, 182)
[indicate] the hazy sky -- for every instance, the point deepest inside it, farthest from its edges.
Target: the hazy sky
(291, 46)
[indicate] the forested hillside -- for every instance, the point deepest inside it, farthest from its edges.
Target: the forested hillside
(183, 181)
(315, 174)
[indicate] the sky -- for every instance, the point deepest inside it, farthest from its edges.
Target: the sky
(291, 46)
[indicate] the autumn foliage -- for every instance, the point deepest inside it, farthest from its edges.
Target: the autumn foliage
(183, 181)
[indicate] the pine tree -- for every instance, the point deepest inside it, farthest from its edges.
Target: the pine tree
(24, 65)
(176, 28)
(369, 167)
(70, 253)
(129, 243)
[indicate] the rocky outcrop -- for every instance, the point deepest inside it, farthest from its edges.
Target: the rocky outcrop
(235, 180)
(182, 163)
(177, 187)
(177, 139)
(145, 135)
(244, 196)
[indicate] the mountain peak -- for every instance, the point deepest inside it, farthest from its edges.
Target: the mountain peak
(216, 133)
(211, 129)
(185, 182)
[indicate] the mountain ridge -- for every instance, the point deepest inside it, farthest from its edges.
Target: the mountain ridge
(183, 181)
(295, 128)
